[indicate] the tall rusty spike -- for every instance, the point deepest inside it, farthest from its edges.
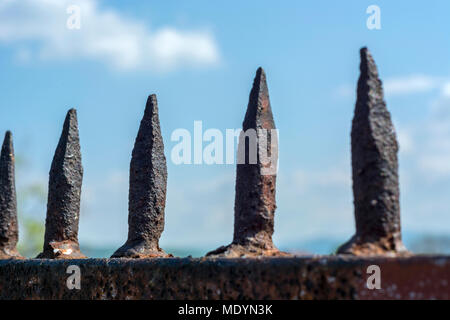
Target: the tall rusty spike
(375, 169)
(147, 195)
(255, 205)
(9, 233)
(64, 192)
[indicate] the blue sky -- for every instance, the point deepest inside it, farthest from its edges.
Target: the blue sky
(200, 58)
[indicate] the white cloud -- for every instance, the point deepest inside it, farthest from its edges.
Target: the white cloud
(105, 35)
(446, 89)
(345, 91)
(410, 84)
(426, 142)
(199, 210)
(331, 177)
(403, 85)
(405, 140)
(104, 211)
(437, 164)
(318, 198)
(434, 156)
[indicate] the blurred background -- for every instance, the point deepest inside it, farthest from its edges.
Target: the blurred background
(200, 58)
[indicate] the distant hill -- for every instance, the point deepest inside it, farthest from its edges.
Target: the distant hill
(417, 243)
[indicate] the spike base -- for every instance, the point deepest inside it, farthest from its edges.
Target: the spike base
(62, 250)
(140, 250)
(6, 253)
(235, 250)
(384, 246)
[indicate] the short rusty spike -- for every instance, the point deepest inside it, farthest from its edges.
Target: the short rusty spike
(254, 206)
(9, 233)
(147, 195)
(375, 170)
(64, 192)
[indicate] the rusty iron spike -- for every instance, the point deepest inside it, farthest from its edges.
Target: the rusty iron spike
(255, 204)
(375, 170)
(64, 192)
(147, 195)
(9, 233)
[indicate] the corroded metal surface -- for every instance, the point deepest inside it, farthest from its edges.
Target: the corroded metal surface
(255, 204)
(375, 169)
(9, 233)
(64, 192)
(322, 277)
(147, 194)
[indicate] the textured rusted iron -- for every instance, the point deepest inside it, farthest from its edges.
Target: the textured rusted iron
(64, 192)
(255, 204)
(147, 194)
(375, 169)
(319, 277)
(9, 233)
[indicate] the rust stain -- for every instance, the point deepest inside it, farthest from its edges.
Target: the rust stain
(254, 206)
(303, 278)
(64, 193)
(147, 194)
(375, 170)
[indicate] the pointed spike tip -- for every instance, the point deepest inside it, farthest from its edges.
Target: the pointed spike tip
(72, 113)
(151, 106)
(259, 77)
(71, 117)
(365, 54)
(8, 135)
(8, 142)
(367, 66)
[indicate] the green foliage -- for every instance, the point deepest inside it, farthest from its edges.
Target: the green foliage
(33, 239)
(31, 201)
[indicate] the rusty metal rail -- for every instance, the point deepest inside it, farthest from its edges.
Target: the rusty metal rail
(325, 277)
(251, 266)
